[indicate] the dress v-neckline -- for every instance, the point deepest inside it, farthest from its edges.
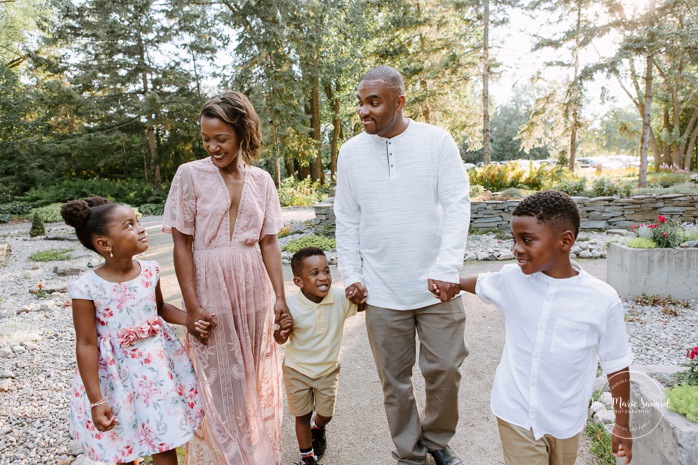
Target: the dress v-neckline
(233, 227)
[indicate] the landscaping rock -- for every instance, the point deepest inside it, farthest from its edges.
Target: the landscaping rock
(5, 251)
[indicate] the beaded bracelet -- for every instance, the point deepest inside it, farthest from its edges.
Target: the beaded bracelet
(99, 402)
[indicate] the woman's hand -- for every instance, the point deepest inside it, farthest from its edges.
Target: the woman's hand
(102, 417)
(200, 324)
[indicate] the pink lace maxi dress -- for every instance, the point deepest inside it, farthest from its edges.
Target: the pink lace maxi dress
(239, 370)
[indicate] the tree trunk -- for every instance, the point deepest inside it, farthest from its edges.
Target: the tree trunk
(151, 122)
(666, 145)
(486, 147)
(336, 128)
(574, 107)
(288, 163)
(647, 113)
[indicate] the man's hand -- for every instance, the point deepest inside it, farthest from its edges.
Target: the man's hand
(622, 443)
(442, 290)
(356, 293)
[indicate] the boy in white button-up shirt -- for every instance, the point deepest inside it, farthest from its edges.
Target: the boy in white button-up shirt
(558, 320)
(311, 366)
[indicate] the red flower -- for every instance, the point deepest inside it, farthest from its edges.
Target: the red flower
(661, 219)
(653, 226)
(665, 234)
(693, 353)
(41, 286)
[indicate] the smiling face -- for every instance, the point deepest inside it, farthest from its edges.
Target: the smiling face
(380, 108)
(315, 278)
(127, 237)
(540, 247)
(220, 141)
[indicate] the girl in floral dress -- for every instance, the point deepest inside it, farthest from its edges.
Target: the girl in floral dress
(134, 392)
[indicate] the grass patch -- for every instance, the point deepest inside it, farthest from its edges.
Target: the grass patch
(600, 444)
(311, 240)
(51, 255)
(670, 306)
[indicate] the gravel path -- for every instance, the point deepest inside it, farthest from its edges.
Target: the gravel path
(37, 357)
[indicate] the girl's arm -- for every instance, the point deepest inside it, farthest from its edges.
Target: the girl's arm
(271, 256)
(184, 269)
(176, 316)
(87, 355)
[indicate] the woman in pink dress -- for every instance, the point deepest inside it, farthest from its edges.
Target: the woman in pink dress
(218, 210)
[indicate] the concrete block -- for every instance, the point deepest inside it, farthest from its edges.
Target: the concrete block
(632, 272)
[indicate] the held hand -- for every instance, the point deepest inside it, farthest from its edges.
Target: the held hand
(285, 328)
(622, 443)
(442, 290)
(282, 318)
(200, 324)
(356, 293)
(102, 417)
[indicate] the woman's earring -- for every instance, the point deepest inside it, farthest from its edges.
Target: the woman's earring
(111, 255)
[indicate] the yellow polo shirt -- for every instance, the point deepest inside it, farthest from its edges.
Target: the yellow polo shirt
(313, 347)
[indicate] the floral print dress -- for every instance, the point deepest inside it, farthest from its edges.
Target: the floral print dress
(144, 373)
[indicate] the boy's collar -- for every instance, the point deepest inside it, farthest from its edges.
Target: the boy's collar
(308, 304)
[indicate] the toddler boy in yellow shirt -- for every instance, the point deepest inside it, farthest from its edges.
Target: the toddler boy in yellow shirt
(311, 366)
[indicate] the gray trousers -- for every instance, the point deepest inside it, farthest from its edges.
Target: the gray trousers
(442, 349)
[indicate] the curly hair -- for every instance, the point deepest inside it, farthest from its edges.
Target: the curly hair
(236, 110)
(302, 254)
(554, 208)
(90, 217)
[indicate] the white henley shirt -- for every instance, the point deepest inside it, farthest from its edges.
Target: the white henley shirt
(554, 331)
(402, 204)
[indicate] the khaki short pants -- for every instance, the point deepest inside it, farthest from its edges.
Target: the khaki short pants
(305, 394)
(520, 447)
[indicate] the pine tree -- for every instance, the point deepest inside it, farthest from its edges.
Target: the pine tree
(38, 228)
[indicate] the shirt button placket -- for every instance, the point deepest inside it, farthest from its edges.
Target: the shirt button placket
(391, 159)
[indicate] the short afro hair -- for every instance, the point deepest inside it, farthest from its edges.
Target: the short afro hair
(554, 208)
(389, 75)
(302, 254)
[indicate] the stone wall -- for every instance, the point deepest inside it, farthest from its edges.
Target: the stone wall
(597, 213)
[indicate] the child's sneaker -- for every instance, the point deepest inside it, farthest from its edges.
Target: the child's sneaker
(312, 460)
(319, 440)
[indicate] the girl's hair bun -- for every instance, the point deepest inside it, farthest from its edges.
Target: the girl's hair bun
(76, 212)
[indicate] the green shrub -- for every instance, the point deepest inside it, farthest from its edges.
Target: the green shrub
(38, 228)
(667, 178)
(311, 240)
(304, 193)
(152, 208)
(16, 208)
(573, 186)
(476, 191)
(683, 399)
(601, 445)
(685, 188)
(49, 213)
(641, 243)
(51, 255)
(132, 192)
(4, 217)
(605, 187)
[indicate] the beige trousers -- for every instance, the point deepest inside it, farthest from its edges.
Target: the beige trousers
(520, 447)
(442, 349)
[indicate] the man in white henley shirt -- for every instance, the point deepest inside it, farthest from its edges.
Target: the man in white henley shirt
(402, 206)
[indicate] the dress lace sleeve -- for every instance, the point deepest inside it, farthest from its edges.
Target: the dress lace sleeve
(273, 222)
(180, 208)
